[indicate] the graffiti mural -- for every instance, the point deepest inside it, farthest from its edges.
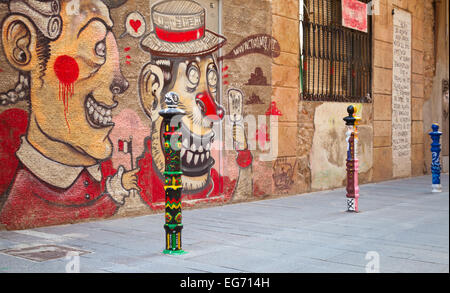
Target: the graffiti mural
(283, 174)
(55, 157)
(81, 85)
(257, 78)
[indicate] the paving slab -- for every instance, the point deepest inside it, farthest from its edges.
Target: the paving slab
(400, 220)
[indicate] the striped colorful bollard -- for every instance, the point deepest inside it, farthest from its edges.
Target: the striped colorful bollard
(435, 159)
(172, 174)
(352, 161)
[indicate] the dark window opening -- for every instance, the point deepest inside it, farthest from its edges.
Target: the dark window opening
(336, 62)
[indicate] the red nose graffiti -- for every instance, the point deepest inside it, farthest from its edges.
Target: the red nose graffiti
(209, 107)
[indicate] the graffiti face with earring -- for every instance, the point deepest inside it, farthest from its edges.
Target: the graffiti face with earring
(72, 89)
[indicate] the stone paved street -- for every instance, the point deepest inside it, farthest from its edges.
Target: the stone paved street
(401, 221)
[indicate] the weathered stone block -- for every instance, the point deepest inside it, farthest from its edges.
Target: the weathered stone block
(287, 145)
(382, 80)
(417, 159)
(285, 76)
(286, 100)
(382, 128)
(288, 8)
(416, 132)
(287, 59)
(417, 62)
(382, 107)
(416, 109)
(382, 164)
(382, 141)
(382, 54)
(417, 83)
(285, 30)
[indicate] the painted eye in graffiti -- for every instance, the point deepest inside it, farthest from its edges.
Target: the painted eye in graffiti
(193, 75)
(212, 78)
(100, 49)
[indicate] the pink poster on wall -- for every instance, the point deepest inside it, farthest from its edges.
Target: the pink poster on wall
(354, 15)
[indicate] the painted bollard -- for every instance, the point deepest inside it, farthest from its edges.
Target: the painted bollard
(172, 174)
(435, 159)
(352, 161)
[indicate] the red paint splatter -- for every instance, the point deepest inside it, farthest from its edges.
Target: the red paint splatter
(225, 69)
(128, 57)
(273, 110)
(127, 49)
(128, 62)
(67, 71)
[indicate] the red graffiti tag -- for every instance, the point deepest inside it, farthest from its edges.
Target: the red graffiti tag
(135, 24)
(67, 71)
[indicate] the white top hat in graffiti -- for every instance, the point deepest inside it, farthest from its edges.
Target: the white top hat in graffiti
(179, 30)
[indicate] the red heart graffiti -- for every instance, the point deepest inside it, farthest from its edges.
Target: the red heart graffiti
(135, 24)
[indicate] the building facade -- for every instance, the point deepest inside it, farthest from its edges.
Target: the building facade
(265, 85)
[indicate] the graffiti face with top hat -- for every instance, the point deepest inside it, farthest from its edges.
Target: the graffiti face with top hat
(74, 80)
(182, 62)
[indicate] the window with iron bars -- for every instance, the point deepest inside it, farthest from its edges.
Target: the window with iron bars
(336, 62)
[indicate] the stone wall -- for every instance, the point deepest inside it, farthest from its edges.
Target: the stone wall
(382, 87)
(435, 107)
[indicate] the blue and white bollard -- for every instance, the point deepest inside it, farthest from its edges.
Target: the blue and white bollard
(435, 160)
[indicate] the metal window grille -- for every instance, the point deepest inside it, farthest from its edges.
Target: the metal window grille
(336, 61)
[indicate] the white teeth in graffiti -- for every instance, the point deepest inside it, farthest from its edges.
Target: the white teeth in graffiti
(202, 158)
(207, 155)
(200, 149)
(208, 146)
(189, 157)
(193, 147)
(196, 159)
(98, 115)
(183, 151)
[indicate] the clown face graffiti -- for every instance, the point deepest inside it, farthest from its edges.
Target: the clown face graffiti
(195, 80)
(182, 62)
